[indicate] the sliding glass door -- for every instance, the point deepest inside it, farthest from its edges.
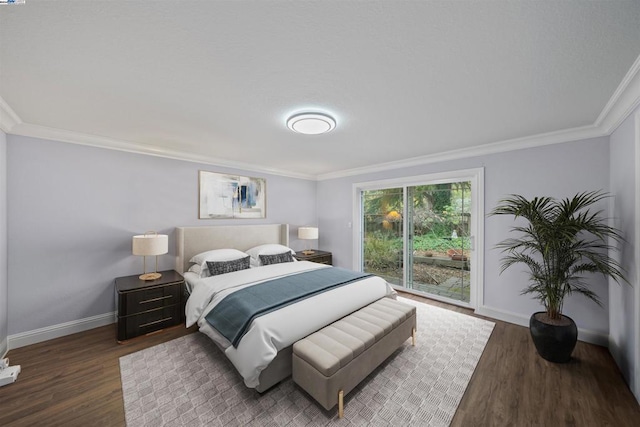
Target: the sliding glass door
(383, 233)
(438, 239)
(419, 236)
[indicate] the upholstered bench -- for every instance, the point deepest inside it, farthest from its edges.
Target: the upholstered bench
(331, 362)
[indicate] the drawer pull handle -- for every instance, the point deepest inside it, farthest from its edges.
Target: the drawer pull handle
(157, 321)
(155, 299)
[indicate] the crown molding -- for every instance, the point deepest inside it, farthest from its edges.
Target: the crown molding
(567, 135)
(624, 100)
(43, 132)
(622, 103)
(8, 117)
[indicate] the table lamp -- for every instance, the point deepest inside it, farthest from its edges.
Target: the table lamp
(149, 244)
(308, 233)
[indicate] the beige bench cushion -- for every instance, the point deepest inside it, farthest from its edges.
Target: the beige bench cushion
(334, 346)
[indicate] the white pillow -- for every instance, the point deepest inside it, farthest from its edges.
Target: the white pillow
(268, 249)
(216, 255)
(195, 268)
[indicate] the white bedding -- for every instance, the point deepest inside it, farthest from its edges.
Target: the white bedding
(274, 331)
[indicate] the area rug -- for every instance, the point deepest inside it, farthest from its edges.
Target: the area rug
(189, 382)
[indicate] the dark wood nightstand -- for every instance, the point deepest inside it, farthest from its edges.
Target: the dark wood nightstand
(149, 306)
(321, 257)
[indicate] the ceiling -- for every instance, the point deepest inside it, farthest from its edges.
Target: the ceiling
(216, 80)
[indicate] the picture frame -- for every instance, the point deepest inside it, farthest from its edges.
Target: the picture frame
(229, 196)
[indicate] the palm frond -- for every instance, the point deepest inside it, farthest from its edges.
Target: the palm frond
(562, 241)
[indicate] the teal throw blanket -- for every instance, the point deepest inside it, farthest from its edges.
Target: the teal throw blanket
(233, 315)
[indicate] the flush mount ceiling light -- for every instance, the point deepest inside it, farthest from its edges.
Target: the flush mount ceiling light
(311, 123)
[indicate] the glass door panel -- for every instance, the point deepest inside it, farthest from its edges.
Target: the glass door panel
(383, 233)
(438, 240)
(418, 233)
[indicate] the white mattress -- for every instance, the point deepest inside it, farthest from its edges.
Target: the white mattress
(274, 331)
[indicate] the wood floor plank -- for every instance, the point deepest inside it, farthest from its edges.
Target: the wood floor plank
(75, 381)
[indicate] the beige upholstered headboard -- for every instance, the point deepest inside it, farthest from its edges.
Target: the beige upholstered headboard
(193, 240)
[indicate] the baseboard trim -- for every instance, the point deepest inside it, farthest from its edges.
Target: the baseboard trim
(585, 335)
(50, 332)
(56, 331)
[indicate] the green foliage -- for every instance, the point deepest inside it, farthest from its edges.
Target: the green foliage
(435, 243)
(380, 202)
(442, 208)
(382, 252)
(437, 210)
(561, 241)
(441, 196)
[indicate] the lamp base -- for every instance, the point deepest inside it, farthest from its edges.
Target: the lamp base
(150, 276)
(308, 252)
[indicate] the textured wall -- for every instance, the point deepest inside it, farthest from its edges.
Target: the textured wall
(3, 245)
(73, 210)
(622, 301)
(557, 170)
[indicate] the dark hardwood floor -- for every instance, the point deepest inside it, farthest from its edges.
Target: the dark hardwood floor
(75, 381)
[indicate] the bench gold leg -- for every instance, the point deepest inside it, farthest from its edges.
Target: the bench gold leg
(340, 404)
(413, 337)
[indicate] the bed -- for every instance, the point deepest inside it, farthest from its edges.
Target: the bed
(264, 354)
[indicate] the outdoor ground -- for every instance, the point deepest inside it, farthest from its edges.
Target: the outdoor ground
(432, 279)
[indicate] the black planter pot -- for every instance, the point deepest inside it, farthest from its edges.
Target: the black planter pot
(554, 343)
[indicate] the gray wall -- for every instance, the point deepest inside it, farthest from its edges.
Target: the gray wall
(557, 170)
(73, 210)
(4, 306)
(622, 302)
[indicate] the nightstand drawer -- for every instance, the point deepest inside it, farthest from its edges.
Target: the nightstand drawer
(324, 259)
(149, 306)
(149, 321)
(151, 298)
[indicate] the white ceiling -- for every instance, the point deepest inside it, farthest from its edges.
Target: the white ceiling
(217, 79)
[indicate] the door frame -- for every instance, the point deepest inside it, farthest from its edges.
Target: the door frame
(476, 176)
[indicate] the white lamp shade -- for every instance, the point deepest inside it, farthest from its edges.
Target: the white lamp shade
(150, 244)
(307, 233)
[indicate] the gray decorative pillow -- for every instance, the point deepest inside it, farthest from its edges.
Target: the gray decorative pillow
(221, 267)
(276, 258)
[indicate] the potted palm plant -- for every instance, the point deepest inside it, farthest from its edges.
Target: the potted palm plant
(561, 243)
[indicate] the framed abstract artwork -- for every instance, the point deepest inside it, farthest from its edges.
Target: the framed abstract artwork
(224, 196)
